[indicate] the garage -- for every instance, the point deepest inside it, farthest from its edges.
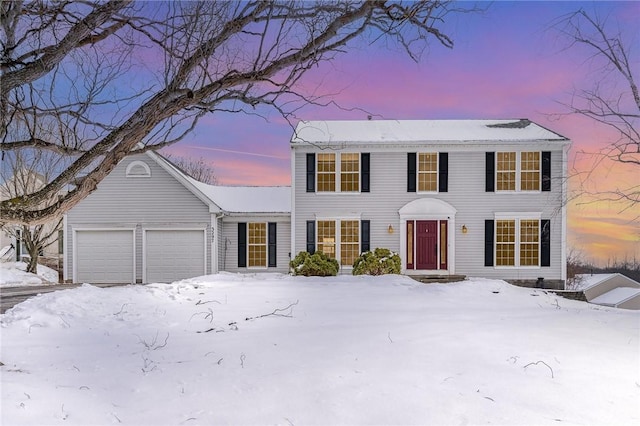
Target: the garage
(171, 255)
(104, 256)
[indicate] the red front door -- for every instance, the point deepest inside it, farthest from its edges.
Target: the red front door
(427, 244)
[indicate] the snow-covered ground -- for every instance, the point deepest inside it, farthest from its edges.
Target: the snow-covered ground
(14, 274)
(275, 349)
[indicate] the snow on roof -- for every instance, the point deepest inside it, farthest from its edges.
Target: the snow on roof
(385, 131)
(587, 281)
(616, 296)
(247, 199)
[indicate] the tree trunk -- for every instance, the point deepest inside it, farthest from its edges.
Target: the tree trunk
(32, 265)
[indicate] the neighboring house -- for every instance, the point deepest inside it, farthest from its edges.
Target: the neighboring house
(614, 290)
(150, 222)
(479, 198)
(10, 235)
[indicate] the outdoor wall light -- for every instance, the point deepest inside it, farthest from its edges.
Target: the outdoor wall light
(390, 229)
(464, 229)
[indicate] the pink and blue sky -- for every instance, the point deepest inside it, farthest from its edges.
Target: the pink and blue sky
(506, 63)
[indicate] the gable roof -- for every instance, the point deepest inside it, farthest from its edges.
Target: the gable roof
(231, 199)
(588, 281)
(415, 131)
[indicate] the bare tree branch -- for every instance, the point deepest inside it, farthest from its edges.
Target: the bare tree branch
(71, 68)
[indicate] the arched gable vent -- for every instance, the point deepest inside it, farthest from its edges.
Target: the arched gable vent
(138, 169)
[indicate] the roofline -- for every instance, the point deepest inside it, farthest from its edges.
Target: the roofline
(295, 140)
(181, 177)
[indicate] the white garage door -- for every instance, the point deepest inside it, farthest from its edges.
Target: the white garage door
(172, 255)
(104, 256)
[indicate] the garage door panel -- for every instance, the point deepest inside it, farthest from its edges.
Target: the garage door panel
(104, 256)
(172, 255)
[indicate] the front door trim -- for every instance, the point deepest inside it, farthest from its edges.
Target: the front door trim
(428, 209)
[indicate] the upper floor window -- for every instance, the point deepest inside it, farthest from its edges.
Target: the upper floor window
(138, 169)
(518, 171)
(506, 171)
(530, 171)
(348, 175)
(349, 172)
(338, 172)
(326, 172)
(428, 171)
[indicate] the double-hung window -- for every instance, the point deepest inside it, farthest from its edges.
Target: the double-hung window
(527, 171)
(339, 239)
(427, 171)
(326, 172)
(338, 172)
(257, 244)
(518, 242)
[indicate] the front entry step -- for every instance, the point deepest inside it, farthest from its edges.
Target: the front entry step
(430, 279)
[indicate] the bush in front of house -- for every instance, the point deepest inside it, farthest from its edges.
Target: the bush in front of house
(378, 262)
(317, 264)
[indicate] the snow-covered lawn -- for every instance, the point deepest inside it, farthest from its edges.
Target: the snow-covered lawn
(274, 349)
(14, 274)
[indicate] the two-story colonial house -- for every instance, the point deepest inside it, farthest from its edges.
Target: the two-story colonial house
(481, 198)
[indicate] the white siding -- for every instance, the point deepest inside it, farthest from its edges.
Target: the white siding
(159, 201)
(229, 250)
(466, 193)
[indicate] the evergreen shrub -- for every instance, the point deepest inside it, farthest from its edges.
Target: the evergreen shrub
(317, 264)
(378, 262)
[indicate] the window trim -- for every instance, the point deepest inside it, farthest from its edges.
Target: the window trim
(138, 163)
(518, 218)
(266, 246)
(337, 220)
(436, 172)
(338, 174)
(518, 171)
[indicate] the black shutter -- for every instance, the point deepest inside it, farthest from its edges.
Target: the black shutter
(242, 245)
(488, 243)
(365, 239)
(271, 236)
(364, 173)
(411, 172)
(311, 172)
(443, 172)
(311, 236)
(546, 171)
(545, 242)
(490, 172)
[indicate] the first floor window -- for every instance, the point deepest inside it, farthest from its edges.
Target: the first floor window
(518, 242)
(257, 242)
(327, 237)
(339, 239)
(529, 243)
(349, 241)
(505, 243)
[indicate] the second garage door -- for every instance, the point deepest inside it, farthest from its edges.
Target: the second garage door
(172, 255)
